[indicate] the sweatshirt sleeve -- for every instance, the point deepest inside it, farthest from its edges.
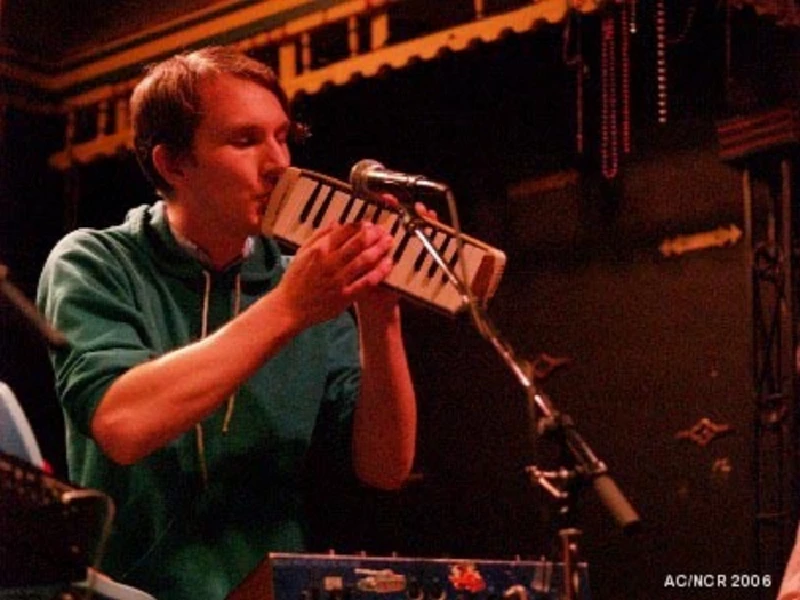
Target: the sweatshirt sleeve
(86, 294)
(333, 430)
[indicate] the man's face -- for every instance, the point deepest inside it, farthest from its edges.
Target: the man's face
(240, 148)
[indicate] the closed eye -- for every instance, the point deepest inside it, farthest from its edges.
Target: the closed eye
(244, 141)
(282, 134)
(245, 137)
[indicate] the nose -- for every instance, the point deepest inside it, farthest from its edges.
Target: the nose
(276, 155)
(275, 160)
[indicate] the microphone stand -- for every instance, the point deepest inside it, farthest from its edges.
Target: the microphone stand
(17, 299)
(585, 465)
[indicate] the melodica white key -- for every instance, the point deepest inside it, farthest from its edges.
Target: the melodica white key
(304, 201)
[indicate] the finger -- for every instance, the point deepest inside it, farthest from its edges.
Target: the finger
(390, 200)
(360, 254)
(365, 235)
(343, 234)
(419, 208)
(425, 212)
(370, 279)
(318, 234)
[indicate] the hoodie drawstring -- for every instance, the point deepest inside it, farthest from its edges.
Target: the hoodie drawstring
(237, 302)
(201, 450)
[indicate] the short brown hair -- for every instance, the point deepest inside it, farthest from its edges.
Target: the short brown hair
(165, 105)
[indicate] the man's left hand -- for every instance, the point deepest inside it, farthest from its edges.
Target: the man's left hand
(381, 302)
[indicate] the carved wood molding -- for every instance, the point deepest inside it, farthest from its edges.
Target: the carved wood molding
(291, 40)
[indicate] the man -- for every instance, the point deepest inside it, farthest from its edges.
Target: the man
(790, 583)
(203, 366)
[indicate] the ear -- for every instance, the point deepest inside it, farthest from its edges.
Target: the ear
(169, 166)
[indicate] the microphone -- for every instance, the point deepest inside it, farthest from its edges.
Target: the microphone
(371, 177)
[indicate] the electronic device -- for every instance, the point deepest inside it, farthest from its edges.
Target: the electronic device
(283, 576)
(50, 530)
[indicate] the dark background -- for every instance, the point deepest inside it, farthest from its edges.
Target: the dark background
(655, 343)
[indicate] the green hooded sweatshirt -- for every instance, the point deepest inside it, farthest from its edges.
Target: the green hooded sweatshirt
(193, 519)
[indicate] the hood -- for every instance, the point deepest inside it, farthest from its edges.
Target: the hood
(262, 266)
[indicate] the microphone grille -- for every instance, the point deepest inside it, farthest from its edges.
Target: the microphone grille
(360, 172)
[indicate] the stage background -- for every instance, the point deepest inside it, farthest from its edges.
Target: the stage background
(654, 343)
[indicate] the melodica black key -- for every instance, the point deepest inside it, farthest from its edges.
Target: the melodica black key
(323, 208)
(347, 208)
(442, 250)
(423, 254)
(401, 247)
(312, 199)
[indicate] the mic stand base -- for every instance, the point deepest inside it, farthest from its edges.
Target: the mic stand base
(569, 557)
(563, 486)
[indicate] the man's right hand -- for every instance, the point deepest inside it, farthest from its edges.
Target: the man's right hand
(335, 267)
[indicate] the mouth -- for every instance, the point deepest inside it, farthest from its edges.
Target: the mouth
(262, 202)
(271, 179)
(268, 188)
(259, 203)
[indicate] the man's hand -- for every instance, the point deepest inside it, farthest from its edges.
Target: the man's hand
(335, 267)
(380, 302)
(340, 265)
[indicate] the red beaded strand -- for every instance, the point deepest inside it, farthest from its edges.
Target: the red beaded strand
(661, 61)
(625, 30)
(609, 160)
